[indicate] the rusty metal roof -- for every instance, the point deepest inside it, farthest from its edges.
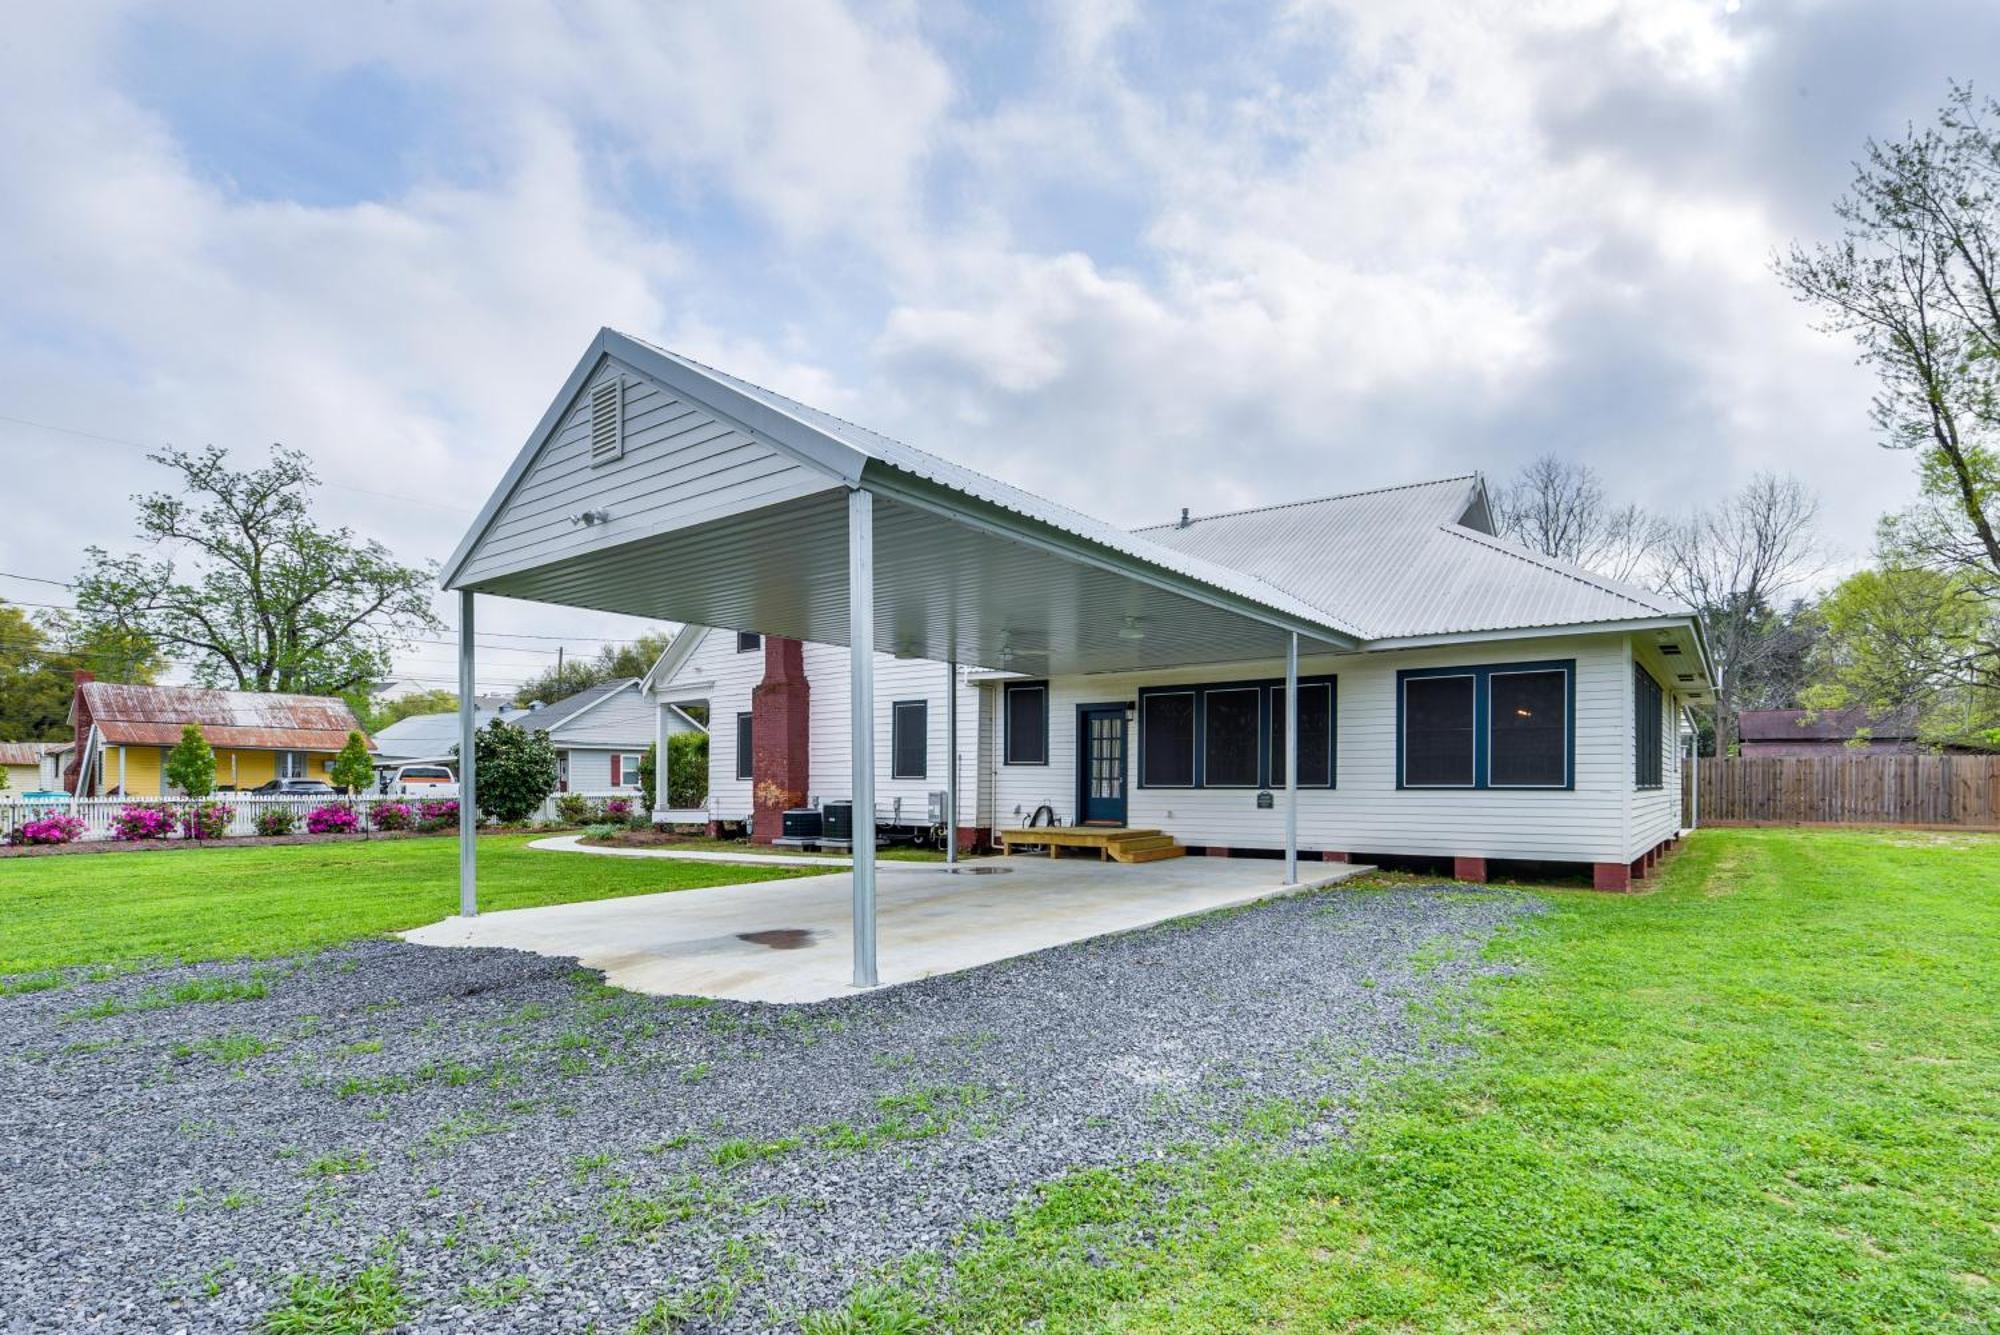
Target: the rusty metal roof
(25, 753)
(253, 720)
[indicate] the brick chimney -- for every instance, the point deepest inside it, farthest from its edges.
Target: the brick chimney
(780, 737)
(72, 775)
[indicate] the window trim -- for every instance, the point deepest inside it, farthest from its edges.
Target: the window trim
(746, 756)
(1645, 767)
(749, 641)
(1007, 692)
(1482, 725)
(896, 709)
(628, 774)
(1267, 775)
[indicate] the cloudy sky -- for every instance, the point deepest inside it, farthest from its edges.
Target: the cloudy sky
(1131, 256)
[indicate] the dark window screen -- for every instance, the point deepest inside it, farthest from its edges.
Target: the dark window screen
(1648, 734)
(1027, 725)
(1166, 740)
(1437, 731)
(748, 641)
(1528, 728)
(1229, 738)
(1315, 725)
(909, 736)
(743, 748)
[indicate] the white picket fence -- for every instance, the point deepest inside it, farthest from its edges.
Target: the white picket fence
(97, 813)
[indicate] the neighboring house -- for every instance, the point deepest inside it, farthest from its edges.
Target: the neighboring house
(1832, 732)
(123, 734)
(432, 736)
(27, 765)
(1458, 695)
(602, 733)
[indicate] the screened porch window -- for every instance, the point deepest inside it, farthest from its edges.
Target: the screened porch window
(1027, 723)
(1166, 739)
(1315, 730)
(1229, 737)
(909, 739)
(1232, 735)
(1504, 726)
(744, 753)
(1649, 730)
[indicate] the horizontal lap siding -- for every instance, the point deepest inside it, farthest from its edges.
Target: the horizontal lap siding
(590, 770)
(680, 466)
(896, 679)
(735, 676)
(1656, 812)
(1367, 812)
(626, 720)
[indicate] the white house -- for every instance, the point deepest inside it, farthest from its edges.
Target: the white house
(1457, 695)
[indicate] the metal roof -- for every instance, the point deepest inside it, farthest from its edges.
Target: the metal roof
(553, 715)
(1399, 562)
(427, 735)
(25, 753)
(256, 720)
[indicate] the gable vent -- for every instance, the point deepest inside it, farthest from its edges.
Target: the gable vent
(1670, 649)
(1686, 676)
(607, 420)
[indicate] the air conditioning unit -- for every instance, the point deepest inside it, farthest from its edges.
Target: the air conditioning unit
(838, 820)
(803, 823)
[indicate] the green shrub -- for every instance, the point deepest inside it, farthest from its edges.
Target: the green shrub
(687, 770)
(516, 771)
(571, 808)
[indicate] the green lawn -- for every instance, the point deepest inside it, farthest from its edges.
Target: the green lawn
(1764, 1097)
(222, 903)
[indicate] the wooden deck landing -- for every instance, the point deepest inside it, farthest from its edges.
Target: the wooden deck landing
(1111, 842)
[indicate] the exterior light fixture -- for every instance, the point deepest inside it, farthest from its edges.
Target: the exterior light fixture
(590, 518)
(1133, 629)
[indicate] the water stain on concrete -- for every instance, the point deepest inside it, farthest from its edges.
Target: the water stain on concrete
(779, 938)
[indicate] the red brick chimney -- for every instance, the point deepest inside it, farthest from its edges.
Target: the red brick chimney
(80, 706)
(780, 737)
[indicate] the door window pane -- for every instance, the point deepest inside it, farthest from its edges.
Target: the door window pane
(1437, 731)
(1528, 729)
(1166, 739)
(1229, 747)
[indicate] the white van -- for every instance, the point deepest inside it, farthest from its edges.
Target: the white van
(421, 781)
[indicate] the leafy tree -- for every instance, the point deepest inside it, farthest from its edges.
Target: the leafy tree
(353, 770)
(649, 774)
(1904, 638)
(249, 591)
(1915, 280)
(516, 770)
(191, 764)
(38, 660)
(613, 662)
(1558, 507)
(1729, 562)
(687, 770)
(376, 716)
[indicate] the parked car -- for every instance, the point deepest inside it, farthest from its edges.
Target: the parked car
(295, 787)
(428, 781)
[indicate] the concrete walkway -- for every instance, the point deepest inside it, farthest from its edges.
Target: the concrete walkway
(790, 941)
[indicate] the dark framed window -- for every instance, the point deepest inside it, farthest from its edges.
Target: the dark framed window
(748, 641)
(1508, 725)
(909, 739)
(1026, 722)
(1315, 730)
(1649, 704)
(1166, 738)
(745, 752)
(1232, 734)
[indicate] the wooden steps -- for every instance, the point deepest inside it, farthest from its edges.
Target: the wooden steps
(1110, 842)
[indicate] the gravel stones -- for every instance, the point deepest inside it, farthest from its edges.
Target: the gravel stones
(522, 1148)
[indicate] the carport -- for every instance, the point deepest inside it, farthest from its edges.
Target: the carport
(662, 488)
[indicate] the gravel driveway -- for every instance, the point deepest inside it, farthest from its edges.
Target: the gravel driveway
(495, 1141)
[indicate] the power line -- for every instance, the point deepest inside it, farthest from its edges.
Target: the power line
(142, 445)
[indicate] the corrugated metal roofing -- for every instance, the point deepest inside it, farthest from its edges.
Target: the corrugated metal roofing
(25, 753)
(922, 464)
(155, 715)
(423, 736)
(1397, 562)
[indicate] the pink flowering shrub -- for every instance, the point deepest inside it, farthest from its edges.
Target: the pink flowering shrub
(437, 814)
(205, 820)
(135, 820)
(332, 819)
(394, 816)
(618, 808)
(61, 828)
(277, 820)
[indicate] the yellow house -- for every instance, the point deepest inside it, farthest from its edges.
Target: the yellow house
(123, 735)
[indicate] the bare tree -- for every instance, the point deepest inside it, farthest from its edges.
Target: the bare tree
(1558, 508)
(1731, 562)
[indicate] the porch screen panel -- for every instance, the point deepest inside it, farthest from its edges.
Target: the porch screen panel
(1166, 739)
(1437, 732)
(1315, 727)
(909, 728)
(1649, 730)
(1229, 737)
(1027, 725)
(744, 755)
(1528, 745)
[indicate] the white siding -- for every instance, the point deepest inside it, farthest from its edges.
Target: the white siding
(1367, 813)
(680, 466)
(895, 679)
(731, 677)
(1656, 812)
(626, 719)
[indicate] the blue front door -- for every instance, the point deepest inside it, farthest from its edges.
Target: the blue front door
(1100, 764)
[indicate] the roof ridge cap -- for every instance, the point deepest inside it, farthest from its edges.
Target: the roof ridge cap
(1310, 500)
(1631, 593)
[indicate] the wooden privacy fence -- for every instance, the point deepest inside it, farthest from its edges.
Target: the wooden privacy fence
(1856, 789)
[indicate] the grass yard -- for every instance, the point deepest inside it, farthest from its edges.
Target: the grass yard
(225, 903)
(1764, 1097)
